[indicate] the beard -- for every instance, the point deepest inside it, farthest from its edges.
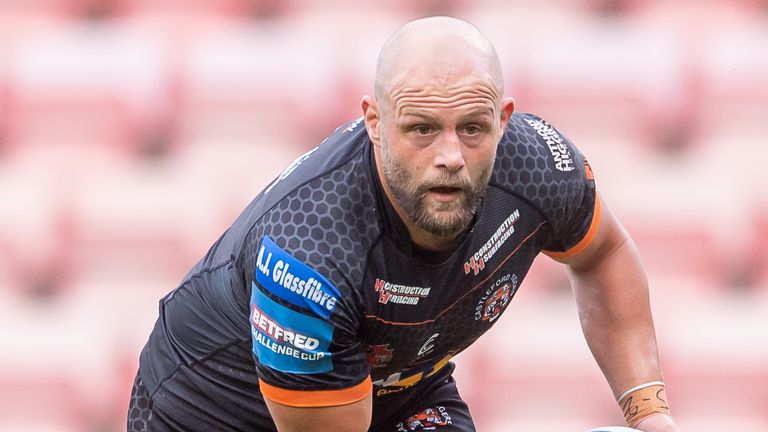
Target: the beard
(445, 219)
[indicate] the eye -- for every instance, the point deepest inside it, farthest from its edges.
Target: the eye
(472, 130)
(423, 129)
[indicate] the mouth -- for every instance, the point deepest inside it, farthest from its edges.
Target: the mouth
(446, 193)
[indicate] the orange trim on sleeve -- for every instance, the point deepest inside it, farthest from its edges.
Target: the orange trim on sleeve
(316, 398)
(586, 240)
(588, 170)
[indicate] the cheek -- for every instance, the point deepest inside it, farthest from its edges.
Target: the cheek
(481, 158)
(411, 158)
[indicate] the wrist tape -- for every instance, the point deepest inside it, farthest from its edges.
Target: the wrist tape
(641, 401)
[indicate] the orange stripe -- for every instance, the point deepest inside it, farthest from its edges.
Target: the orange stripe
(588, 171)
(316, 398)
(586, 240)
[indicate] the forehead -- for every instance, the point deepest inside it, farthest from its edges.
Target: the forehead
(449, 81)
(471, 96)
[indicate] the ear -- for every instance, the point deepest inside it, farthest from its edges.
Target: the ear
(372, 118)
(507, 108)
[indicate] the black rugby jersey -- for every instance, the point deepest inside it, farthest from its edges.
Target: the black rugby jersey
(316, 293)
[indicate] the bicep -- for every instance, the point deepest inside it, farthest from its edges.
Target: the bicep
(352, 417)
(607, 276)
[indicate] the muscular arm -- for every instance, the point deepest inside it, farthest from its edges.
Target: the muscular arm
(611, 291)
(354, 417)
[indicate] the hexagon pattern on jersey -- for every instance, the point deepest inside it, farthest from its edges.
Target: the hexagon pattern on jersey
(526, 167)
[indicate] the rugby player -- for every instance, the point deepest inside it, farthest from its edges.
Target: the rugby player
(338, 297)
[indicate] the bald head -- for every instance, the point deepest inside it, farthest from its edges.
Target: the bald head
(436, 121)
(437, 50)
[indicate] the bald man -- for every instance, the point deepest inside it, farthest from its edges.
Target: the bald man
(339, 296)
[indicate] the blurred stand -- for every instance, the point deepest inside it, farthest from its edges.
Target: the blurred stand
(132, 132)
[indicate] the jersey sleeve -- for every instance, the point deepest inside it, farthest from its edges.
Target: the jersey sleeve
(555, 177)
(575, 220)
(304, 331)
(302, 262)
(579, 233)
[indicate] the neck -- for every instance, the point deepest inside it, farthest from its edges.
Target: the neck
(424, 239)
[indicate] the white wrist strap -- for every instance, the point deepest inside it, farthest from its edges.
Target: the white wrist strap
(638, 387)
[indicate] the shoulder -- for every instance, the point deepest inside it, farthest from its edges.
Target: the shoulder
(302, 189)
(316, 217)
(345, 147)
(539, 164)
(531, 143)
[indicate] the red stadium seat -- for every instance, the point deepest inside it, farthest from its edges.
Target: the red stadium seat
(29, 230)
(683, 213)
(48, 8)
(226, 175)
(233, 9)
(579, 70)
(759, 248)
(137, 221)
(47, 365)
(239, 83)
(78, 82)
(350, 40)
(110, 9)
(732, 83)
(731, 144)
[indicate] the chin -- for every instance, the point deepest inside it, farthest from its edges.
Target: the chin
(446, 225)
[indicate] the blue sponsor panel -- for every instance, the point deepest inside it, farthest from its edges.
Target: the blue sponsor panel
(286, 340)
(293, 281)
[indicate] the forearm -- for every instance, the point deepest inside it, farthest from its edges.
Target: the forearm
(611, 292)
(615, 315)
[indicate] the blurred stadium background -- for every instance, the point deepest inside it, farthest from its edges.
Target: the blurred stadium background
(132, 132)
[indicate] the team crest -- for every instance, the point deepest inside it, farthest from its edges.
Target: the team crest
(429, 419)
(379, 355)
(496, 298)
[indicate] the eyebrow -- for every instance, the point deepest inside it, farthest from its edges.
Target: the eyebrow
(481, 111)
(416, 114)
(478, 112)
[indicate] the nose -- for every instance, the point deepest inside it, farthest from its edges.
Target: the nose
(449, 152)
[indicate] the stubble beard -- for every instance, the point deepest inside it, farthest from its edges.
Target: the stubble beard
(444, 219)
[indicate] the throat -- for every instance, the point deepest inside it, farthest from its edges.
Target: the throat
(431, 256)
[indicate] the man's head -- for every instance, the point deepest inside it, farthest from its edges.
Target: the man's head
(435, 123)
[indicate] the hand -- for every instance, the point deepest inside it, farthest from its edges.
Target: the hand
(658, 423)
